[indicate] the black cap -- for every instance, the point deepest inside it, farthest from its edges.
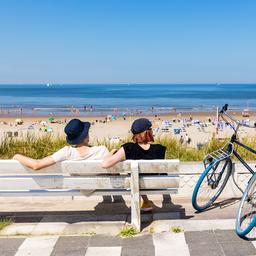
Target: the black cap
(76, 131)
(140, 125)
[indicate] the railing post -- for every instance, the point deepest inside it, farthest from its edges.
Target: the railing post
(135, 195)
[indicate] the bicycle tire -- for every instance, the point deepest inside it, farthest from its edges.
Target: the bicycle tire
(227, 172)
(243, 232)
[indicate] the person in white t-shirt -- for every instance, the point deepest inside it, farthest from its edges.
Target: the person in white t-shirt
(78, 139)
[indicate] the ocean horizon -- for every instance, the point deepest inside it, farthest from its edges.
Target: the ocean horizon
(101, 99)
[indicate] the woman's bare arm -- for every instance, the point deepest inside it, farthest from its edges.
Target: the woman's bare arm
(35, 164)
(110, 161)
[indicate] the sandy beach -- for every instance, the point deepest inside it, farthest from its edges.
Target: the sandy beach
(200, 126)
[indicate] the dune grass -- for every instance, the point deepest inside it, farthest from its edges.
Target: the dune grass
(39, 147)
(4, 222)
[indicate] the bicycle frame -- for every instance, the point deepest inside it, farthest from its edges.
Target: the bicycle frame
(235, 141)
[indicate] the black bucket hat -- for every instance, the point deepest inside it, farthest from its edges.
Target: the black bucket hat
(76, 131)
(140, 125)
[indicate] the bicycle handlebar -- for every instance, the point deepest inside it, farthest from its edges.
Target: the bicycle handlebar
(224, 109)
(224, 112)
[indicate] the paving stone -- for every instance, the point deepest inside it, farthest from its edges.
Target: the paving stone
(195, 237)
(71, 243)
(10, 244)
(145, 240)
(74, 252)
(106, 251)
(170, 242)
(227, 236)
(8, 253)
(238, 249)
(205, 249)
(38, 243)
(135, 251)
(103, 240)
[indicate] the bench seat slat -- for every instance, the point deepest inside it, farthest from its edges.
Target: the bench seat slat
(77, 192)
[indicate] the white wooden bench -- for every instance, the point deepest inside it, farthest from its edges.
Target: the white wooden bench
(74, 177)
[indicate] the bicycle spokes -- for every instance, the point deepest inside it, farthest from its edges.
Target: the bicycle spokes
(214, 178)
(213, 183)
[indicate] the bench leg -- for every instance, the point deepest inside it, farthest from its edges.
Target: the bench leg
(135, 196)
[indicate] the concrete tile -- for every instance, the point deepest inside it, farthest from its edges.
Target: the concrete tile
(46, 252)
(170, 242)
(8, 253)
(106, 251)
(10, 244)
(67, 252)
(196, 237)
(144, 240)
(37, 243)
(103, 240)
(138, 251)
(238, 249)
(227, 236)
(205, 249)
(65, 243)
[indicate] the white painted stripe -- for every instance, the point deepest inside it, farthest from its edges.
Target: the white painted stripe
(106, 251)
(170, 242)
(39, 246)
(254, 243)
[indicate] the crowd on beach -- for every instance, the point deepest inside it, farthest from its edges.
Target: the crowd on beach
(189, 131)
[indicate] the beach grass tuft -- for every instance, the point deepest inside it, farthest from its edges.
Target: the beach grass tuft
(42, 146)
(128, 231)
(4, 222)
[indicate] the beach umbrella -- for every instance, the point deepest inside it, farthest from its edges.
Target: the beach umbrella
(51, 119)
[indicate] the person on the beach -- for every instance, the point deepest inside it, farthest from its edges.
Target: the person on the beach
(78, 139)
(140, 148)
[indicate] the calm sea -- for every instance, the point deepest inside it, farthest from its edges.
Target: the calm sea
(58, 99)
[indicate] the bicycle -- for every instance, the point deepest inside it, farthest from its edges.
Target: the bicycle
(218, 170)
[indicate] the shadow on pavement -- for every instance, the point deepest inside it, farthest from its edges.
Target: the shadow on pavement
(107, 210)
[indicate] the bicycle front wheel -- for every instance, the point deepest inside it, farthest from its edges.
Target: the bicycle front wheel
(211, 183)
(246, 216)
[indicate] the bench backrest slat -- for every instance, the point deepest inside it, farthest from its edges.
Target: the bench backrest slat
(9, 167)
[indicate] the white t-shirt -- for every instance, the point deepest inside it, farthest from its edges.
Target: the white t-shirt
(70, 153)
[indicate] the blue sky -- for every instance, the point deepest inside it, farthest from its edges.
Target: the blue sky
(127, 41)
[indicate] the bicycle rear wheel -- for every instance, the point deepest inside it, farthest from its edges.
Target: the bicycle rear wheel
(211, 183)
(246, 216)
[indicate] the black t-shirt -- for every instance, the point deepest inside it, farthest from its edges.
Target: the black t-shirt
(136, 152)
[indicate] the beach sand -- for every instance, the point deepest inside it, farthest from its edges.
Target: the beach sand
(120, 128)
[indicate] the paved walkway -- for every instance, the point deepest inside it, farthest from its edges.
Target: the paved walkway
(194, 243)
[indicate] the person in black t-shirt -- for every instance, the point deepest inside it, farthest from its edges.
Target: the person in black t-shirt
(140, 148)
